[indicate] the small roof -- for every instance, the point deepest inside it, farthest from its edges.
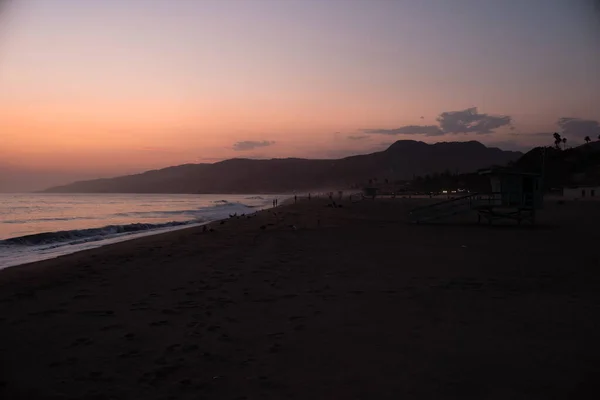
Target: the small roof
(505, 171)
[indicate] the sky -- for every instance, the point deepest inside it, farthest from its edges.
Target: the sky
(92, 88)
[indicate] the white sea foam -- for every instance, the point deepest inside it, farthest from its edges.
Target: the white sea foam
(35, 227)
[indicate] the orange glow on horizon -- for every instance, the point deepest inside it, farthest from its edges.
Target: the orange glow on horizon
(175, 82)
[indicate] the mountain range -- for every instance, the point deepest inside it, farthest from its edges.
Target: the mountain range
(402, 160)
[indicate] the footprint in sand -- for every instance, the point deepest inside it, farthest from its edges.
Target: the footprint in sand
(98, 313)
(81, 296)
(187, 304)
(185, 382)
(159, 323)
(111, 327)
(190, 348)
(48, 312)
(67, 362)
(144, 308)
(81, 342)
(225, 337)
(173, 347)
(130, 354)
(168, 311)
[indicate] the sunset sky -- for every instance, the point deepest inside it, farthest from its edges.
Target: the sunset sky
(103, 87)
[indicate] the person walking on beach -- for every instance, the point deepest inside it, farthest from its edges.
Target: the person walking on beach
(295, 199)
(309, 196)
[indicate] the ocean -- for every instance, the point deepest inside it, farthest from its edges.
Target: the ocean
(36, 227)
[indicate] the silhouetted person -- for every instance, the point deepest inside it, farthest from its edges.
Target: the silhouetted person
(295, 199)
(309, 196)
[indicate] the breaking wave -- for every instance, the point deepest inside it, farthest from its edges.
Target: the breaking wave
(35, 227)
(86, 235)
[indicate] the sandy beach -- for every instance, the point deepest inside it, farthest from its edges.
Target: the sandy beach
(314, 303)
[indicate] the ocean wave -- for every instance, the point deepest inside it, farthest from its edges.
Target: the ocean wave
(200, 213)
(157, 213)
(77, 236)
(84, 235)
(36, 227)
(225, 203)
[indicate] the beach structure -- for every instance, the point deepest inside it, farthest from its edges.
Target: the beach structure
(370, 192)
(513, 195)
(582, 192)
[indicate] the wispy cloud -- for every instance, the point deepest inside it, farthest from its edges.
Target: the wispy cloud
(251, 145)
(535, 134)
(470, 121)
(578, 128)
(357, 137)
(569, 127)
(452, 122)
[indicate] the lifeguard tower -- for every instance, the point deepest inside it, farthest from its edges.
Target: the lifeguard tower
(370, 192)
(514, 195)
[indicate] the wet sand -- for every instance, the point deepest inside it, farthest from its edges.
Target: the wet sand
(314, 303)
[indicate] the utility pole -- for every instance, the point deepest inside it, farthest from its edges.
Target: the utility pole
(543, 169)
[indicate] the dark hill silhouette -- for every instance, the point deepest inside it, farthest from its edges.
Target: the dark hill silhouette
(574, 166)
(577, 165)
(402, 160)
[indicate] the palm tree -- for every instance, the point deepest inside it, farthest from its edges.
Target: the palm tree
(587, 139)
(564, 140)
(557, 139)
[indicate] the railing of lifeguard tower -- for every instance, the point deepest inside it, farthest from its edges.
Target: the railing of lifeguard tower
(472, 201)
(445, 207)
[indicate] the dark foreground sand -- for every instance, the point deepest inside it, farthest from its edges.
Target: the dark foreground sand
(363, 306)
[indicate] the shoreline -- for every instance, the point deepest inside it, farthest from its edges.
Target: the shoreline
(311, 301)
(83, 244)
(141, 236)
(95, 244)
